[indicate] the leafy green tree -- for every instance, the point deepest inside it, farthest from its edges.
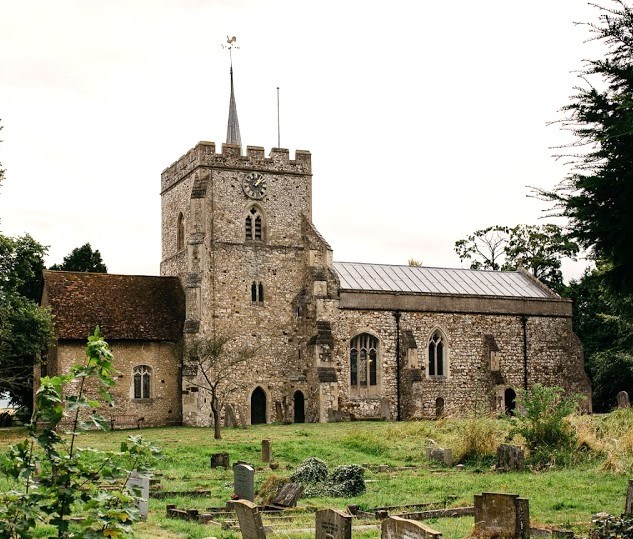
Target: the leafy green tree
(25, 328)
(82, 259)
(538, 248)
(597, 196)
(81, 492)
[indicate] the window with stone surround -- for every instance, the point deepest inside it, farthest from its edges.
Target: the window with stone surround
(142, 381)
(257, 292)
(437, 366)
(254, 224)
(363, 364)
(180, 232)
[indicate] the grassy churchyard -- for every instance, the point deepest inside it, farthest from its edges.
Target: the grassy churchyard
(595, 479)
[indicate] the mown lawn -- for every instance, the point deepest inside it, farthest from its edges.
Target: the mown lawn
(562, 497)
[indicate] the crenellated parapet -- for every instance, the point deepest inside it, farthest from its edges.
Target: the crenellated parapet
(204, 155)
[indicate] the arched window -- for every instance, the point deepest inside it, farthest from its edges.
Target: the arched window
(438, 364)
(142, 381)
(254, 225)
(363, 362)
(257, 292)
(180, 233)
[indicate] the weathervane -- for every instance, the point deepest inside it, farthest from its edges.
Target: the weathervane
(230, 46)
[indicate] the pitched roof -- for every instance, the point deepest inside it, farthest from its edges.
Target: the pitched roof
(125, 307)
(363, 277)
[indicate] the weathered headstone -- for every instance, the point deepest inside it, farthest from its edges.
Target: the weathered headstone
(266, 451)
(333, 524)
(402, 528)
(229, 416)
(623, 400)
(220, 460)
(439, 454)
(502, 515)
(244, 481)
(138, 483)
(242, 410)
(628, 508)
(510, 458)
(279, 412)
(250, 520)
(288, 495)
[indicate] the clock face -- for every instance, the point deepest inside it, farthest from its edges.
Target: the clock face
(254, 185)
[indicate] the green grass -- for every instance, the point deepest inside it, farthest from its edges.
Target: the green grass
(562, 497)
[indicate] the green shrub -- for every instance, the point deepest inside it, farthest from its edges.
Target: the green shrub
(610, 527)
(312, 470)
(346, 481)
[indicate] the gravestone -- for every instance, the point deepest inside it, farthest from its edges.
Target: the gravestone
(439, 454)
(501, 515)
(288, 495)
(242, 416)
(266, 451)
(279, 412)
(402, 528)
(250, 520)
(628, 508)
(220, 460)
(229, 416)
(244, 481)
(333, 524)
(623, 400)
(510, 458)
(138, 483)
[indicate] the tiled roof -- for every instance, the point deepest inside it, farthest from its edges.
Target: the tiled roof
(124, 306)
(422, 280)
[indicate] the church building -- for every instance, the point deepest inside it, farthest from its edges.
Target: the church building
(242, 260)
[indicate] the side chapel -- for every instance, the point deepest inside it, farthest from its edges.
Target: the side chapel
(241, 258)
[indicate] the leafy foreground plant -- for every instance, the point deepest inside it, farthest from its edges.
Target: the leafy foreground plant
(78, 492)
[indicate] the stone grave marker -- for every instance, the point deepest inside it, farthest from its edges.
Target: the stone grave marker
(510, 458)
(288, 495)
(439, 454)
(623, 400)
(250, 519)
(333, 524)
(628, 508)
(220, 460)
(244, 481)
(266, 451)
(502, 515)
(138, 483)
(402, 528)
(229, 416)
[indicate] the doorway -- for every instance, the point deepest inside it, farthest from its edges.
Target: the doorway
(509, 400)
(258, 406)
(299, 404)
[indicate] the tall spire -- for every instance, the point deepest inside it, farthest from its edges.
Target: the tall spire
(233, 127)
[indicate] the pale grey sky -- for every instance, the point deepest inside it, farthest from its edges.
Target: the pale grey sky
(426, 120)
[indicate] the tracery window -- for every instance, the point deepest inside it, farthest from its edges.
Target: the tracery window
(142, 381)
(437, 364)
(363, 362)
(257, 292)
(254, 224)
(180, 232)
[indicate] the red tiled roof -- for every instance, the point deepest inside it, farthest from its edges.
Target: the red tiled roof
(125, 307)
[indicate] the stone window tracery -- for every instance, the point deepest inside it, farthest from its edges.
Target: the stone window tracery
(180, 232)
(437, 356)
(142, 381)
(254, 225)
(363, 363)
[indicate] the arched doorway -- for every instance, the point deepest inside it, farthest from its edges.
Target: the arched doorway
(509, 400)
(439, 407)
(258, 406)
(299, 403)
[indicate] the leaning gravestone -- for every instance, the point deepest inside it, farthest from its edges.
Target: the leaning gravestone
(510, 458)
(288, 495)
(623, 399)
(139, 484)
(333, 524)
(220, 460)
(266, 451)
(250, 520)
(505, 516)
(402, 528)
(244, 481)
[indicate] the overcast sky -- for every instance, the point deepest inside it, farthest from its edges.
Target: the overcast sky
(425, 120)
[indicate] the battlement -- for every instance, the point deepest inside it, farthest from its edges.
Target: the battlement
(204, 155)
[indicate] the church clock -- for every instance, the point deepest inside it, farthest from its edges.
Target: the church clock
(254, 185)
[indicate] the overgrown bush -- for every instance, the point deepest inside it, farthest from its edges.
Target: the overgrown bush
(78, 492)
(312, 470)
(610, 527)
(541, 421)
(344, 481)
(478, 439)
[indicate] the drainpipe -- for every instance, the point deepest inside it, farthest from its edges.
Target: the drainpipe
(525, 352)
(396, 315)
